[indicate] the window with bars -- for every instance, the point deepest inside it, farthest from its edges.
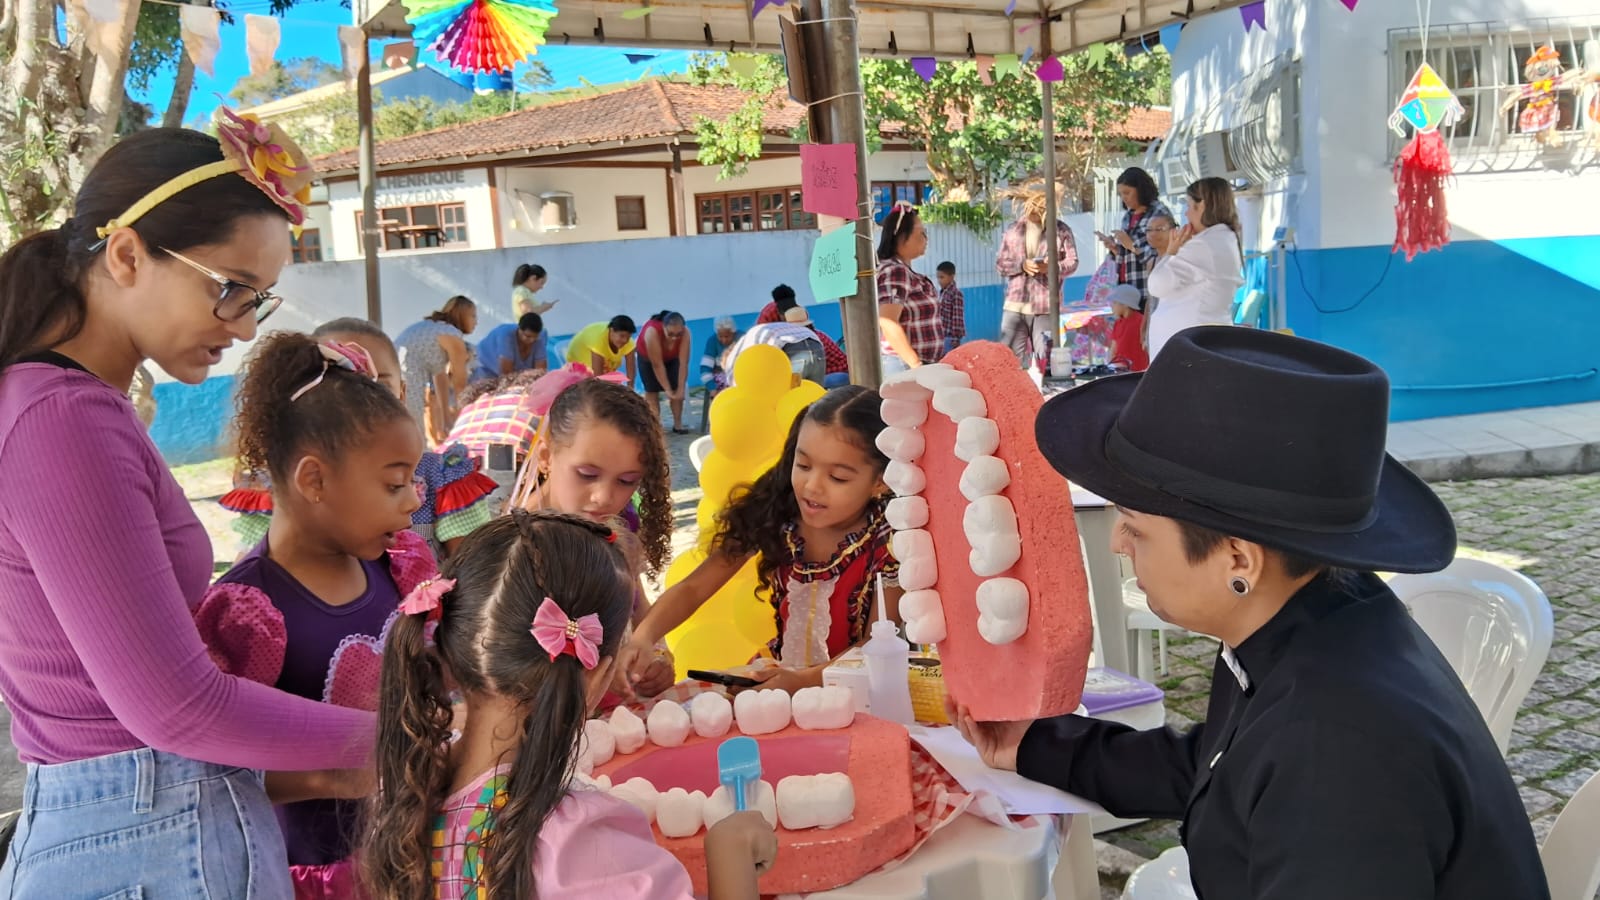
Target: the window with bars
(885, 194)
(630, 214)
(1485, 65)
(419, 227)
(308, 246)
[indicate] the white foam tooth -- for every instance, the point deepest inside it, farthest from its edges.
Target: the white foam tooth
(766, 802)
(719, 806)
(680, 814)
(1002, 610)
(923, 613)
(984, 476)
(627, 729)
(940, 375)
(834, 798)
(960, 404)
(796, 808)
(988, 515)
(903, 413)
(905, 479)
(905, 513)
(603, 783)
(762, 712)
(911, 543)
(641, 793)
(904, 444)
(711, 714)
(598, 741)
(976, 436)
(904, 386)
(993, 554)
(824, 708)
(668, 724)
(918, 573)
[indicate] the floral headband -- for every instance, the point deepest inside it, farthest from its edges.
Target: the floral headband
(259, 152)
(350, 357)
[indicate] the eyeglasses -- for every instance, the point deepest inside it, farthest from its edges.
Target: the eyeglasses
(236, 299)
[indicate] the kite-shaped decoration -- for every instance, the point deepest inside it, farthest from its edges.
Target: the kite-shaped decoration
(1422, 222)
(480, 35)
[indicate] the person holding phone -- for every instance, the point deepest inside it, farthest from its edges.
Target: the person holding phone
(1130, 245)
(1023, 261)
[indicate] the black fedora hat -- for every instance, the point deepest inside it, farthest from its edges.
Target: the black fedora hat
(1263, 436)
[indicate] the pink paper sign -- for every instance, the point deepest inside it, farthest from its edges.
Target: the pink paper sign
(828, 180)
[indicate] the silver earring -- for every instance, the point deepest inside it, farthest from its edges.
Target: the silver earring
(1238, 585)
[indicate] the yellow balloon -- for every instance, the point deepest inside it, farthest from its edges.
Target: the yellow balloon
(741, 424)
(682, 567)
(718, 475)
(728, 629)
(705, 518)
(798, 398)
(763, 369)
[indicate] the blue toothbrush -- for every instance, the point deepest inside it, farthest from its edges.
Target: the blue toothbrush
(738, 767)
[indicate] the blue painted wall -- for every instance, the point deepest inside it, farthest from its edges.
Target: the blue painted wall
(1476, 327)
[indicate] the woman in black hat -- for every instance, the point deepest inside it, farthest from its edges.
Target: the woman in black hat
(1341, 757)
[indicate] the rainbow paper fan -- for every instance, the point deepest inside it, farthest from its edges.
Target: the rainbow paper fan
(480, 35)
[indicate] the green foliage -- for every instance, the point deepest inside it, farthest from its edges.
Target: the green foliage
(979, 218)
(732, 143)
(284, 79)
(30, 151)
(535, 77)
(156, 44)
(331, 125)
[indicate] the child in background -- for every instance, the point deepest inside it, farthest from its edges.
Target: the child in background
(305, 609)
(1127, 335)
(599, 445)
(526, 626)
(455, 494)
(817, 521)
(952, 306)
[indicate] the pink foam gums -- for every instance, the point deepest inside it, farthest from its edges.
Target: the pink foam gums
(877, 756)
(1042, 672)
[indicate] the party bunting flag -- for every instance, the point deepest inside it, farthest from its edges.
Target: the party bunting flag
(925, 67)
(103, 21)
(201, 28)
(261, 37)
(1254, 14)
(639, 12)
(1027, 55)
(480, 35)
(1011, 7)
(637, 58)
(352, 50)
(743, 65)
(1170, 36)
(763, 4)
(1051, 70)
(985, 69)
(1006, 64)
(1350, 4)
(1097, 55)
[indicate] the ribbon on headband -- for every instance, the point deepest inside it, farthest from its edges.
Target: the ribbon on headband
(427, 599)
(559, 634)
(350, 357)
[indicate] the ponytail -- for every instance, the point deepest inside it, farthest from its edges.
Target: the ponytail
(40, 302)
(414, 718)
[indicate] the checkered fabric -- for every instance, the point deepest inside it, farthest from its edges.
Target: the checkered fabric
(494, 419)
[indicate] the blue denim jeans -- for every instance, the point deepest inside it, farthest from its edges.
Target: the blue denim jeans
(145, 825)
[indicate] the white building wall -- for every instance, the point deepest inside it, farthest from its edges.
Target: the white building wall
(594, 192)
(466, 186)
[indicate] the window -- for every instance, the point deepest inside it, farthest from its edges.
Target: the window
(308, 246)
(1484, 65)
(630, 214)
(557, 212)
(885, 194)
(420, 227)
(767, 209)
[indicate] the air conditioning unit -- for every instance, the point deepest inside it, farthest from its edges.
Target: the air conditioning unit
(557, 211)
(1213, 158)
(1175, 176)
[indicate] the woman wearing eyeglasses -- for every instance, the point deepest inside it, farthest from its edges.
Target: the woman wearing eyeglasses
(908, 303)
(141, 752)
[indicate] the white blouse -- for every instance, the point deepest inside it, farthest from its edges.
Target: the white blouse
(1195, 286)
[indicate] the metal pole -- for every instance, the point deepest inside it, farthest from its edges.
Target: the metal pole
(1051, 210)
(368, 180)
(848, 116)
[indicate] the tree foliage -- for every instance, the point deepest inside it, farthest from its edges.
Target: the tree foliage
(331, 125)
(284, 79)
(732, 143)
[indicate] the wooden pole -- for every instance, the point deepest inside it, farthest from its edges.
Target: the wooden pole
(1051, 207)
(370, 227)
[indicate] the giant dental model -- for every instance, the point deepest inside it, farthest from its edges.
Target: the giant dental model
(989, 520)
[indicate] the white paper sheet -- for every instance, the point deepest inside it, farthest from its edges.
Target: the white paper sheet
(1020, 796)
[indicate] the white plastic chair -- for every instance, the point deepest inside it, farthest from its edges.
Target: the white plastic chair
(1493, 626)
(699, 449)
(1143, 623)
(1571, 858)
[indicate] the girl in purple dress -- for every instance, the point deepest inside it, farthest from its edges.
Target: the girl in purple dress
(306, 610)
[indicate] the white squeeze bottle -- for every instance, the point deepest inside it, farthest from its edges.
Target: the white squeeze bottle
(888, 669)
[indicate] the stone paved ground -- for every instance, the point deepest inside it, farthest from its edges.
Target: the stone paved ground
(1545, 527)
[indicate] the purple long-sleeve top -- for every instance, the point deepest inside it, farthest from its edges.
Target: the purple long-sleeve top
(101, 559)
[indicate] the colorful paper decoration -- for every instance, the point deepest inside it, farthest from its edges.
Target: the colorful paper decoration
(828, 183)
(1027, 55)
(639, 12)
(1051, 70)
(1422, 220)
(1542, 76)
(201, 28)
(1350, 4)
(261, 36)
(833, 264)
(1254, 14)
(637, 58)
(1011, 7)
(1006, 64)
(985, 69)
(763, 4)
(103, 24)
(480, 35)
(1097, 54)
(1170, 36)
(925, 67)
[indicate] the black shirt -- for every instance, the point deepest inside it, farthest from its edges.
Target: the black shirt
(1354, 765)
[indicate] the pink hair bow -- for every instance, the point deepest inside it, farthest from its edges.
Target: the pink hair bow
(558, 634)
(350, 357)
(542, 394)
(426, 597)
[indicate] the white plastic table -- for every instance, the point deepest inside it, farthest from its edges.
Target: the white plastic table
(973, 859)
(1113, 642)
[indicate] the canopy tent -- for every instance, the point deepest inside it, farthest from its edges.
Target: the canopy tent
(846, 30)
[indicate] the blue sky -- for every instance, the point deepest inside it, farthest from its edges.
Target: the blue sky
(310, 29)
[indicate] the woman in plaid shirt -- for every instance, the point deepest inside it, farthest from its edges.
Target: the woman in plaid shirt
(908, 303)
(1129, 245)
